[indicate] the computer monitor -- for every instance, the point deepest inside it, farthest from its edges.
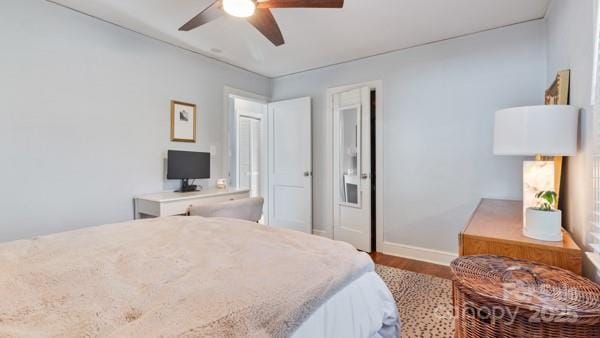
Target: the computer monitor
(187, 165)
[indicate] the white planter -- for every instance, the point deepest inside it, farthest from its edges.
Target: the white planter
(543, 225)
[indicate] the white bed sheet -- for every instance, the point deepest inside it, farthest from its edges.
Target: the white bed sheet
(364, 308)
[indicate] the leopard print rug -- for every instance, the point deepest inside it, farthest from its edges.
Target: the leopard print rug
(424, 302)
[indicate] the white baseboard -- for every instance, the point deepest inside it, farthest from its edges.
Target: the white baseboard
(322, 233)
(418, 253)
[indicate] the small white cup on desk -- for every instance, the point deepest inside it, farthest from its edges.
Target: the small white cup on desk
(222, 183)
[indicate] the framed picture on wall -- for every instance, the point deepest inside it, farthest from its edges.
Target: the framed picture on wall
(183, 122)
(558, 92)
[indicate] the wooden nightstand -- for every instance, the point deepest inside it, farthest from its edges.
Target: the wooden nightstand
(496, 228)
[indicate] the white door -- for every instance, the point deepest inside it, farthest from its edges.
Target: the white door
(255, 141)
(352, 167)
(290, 164)
(244, 153)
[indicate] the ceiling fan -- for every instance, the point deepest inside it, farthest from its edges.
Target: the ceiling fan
(257, 12)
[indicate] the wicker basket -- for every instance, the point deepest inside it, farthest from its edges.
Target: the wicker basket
(505, 297)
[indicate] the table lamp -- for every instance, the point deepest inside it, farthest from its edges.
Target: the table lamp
(540, 131)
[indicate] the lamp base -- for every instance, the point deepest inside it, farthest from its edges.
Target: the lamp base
(537, 176)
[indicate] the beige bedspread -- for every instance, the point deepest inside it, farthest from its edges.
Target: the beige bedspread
(179, 276)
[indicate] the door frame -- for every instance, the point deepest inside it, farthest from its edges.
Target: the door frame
(227, 110)
(376, 85)
(231, 92)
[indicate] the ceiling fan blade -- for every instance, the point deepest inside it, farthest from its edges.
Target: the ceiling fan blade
(211, 13)
(264, 21)
(300, 4)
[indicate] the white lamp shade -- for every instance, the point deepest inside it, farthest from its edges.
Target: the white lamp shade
(536, 130)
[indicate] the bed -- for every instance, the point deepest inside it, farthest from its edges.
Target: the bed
(190, 277)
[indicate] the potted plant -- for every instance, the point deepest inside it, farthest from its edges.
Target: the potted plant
(544, 220)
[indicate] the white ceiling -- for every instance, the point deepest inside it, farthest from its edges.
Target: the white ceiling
(314, 37)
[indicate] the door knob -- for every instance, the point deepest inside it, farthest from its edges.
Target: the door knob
(307, 173)
(364, 176)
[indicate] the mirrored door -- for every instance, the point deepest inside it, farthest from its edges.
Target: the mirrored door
(352, 167)
(350, 155)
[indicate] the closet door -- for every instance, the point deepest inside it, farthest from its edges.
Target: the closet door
(255, 156)
(352, 167)
(244, 152)
(249, 155)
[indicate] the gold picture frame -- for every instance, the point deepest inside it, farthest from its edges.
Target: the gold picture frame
(558, 93)
(183, 122)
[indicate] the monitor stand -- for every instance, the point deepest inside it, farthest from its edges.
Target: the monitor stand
(186, 187)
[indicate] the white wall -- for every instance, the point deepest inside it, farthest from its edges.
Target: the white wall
(439, 102)
(570, 36)
(85, 121)
(85, 116)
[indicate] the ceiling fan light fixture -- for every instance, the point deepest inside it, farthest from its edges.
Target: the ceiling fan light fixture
(239, 8)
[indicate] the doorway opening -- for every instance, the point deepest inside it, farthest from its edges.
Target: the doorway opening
(249, 152)
(269, 149)
(248, 147)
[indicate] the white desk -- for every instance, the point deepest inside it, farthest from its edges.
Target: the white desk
(170, 203)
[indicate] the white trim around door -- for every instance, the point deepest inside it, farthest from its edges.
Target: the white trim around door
(230, 93)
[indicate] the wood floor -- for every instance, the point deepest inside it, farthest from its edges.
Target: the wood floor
(412, 265)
